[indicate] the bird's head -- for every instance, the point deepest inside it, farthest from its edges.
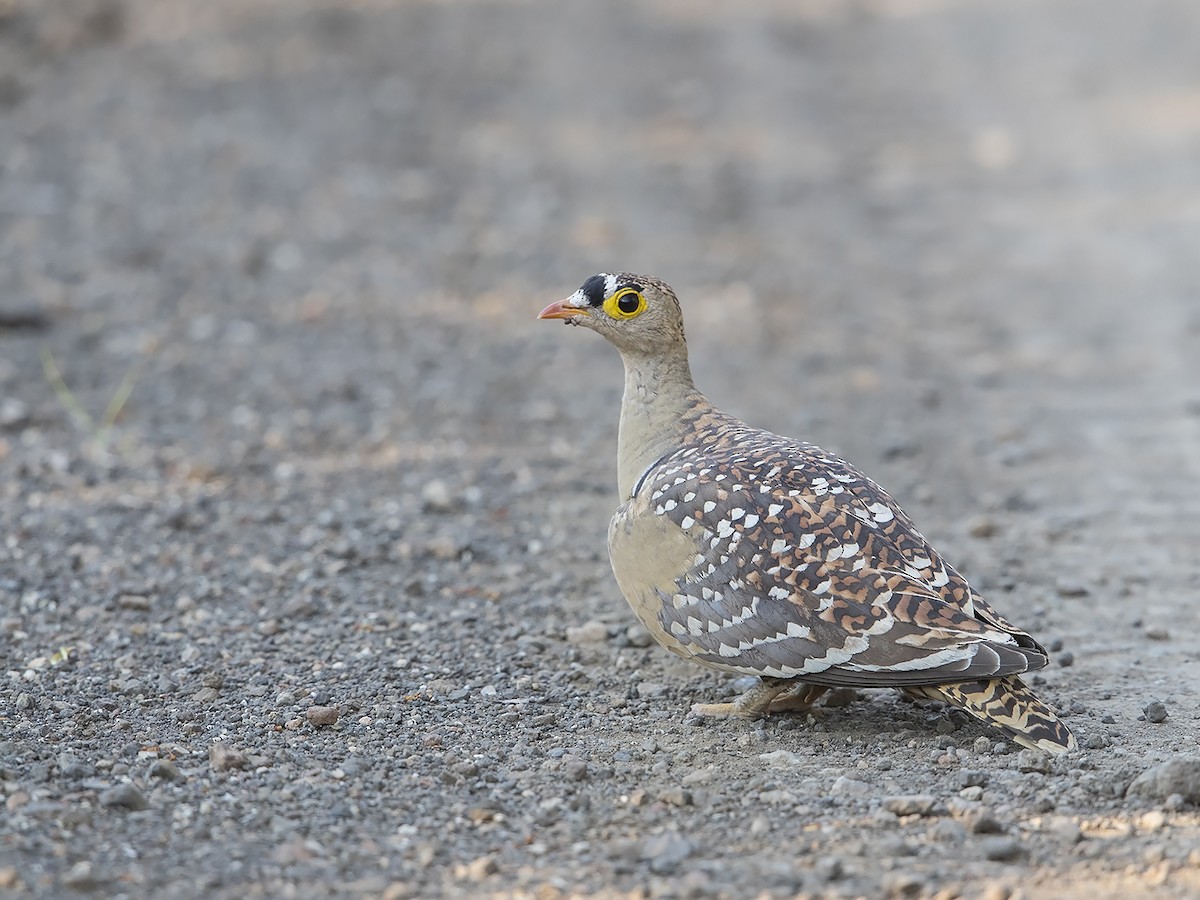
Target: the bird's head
(640, 315)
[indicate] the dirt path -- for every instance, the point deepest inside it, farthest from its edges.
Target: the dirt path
(955, 242)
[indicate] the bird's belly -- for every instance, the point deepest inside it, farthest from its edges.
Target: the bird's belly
(647, 553)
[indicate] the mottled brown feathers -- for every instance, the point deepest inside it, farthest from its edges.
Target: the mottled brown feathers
(757, 554)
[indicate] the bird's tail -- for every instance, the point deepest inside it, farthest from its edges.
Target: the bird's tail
(1009, 704)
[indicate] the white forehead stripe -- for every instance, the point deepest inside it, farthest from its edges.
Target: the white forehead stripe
(610, 284)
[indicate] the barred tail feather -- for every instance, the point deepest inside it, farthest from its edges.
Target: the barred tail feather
(1006, 703)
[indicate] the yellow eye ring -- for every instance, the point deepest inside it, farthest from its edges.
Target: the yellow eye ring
(625, 304)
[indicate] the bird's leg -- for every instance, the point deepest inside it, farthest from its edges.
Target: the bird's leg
(753, 704)
(798, 698)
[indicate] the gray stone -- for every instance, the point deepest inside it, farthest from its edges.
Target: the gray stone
(70, 766)
(222, 758)
(1179, 775)
(911, 804)
(650, 690)
(829, 868)
(137, 602)
(165, 769)
(436, 497)
(903, 884)
(574, 768)
(125, 796)
(848, 787)
(1033, 761)
(677, 797)
(590, 632)
(1071, 587)
(1002, 849)
(947, 831)
(782, 758)
(1156, 711)
(666, 851)
(638, 636)
(81, 877)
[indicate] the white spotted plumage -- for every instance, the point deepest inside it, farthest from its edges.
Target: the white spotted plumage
(753, 553)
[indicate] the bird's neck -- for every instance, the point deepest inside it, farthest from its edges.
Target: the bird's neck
(658, 410)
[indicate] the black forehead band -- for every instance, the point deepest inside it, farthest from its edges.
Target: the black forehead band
(593, 289)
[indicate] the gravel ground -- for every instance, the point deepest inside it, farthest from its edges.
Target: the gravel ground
(326, 610)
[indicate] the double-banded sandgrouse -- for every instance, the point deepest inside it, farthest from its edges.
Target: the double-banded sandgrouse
(757, 554)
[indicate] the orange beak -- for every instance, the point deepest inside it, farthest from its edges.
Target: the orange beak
(562, 310)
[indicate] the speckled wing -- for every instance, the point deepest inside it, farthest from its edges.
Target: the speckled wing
(804, 568)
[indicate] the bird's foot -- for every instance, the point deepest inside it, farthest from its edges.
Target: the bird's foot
(766, 697)
(798, 698)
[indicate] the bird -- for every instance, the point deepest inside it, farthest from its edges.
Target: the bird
(756, 554)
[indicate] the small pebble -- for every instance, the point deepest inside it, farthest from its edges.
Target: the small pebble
(1071, 587)
(477, 869)
(982, 527)
(70, 766)
(165, 769)
(300, 606)
(1158, 633)
(222, 758)
(436, 497)
(1155, 711)
(1153, 820)
(590, 632)
(849, 787)
(574, 768)
(125, 796)
(650, 690)
(903, 884)
(947, 831)
(1067, 832)
(1002, 849)
(638, 636)
(1179, 775)
(81, 878)
(1033, 761)
(321, 715)
(911, 804)
(138, 602)
(1066, 660)
(829, 868)
(677, 797)
(667, 851)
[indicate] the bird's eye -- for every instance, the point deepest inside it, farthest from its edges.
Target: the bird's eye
(625, 304)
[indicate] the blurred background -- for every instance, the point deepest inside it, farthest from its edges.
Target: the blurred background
(272, 392)
(314, 219)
